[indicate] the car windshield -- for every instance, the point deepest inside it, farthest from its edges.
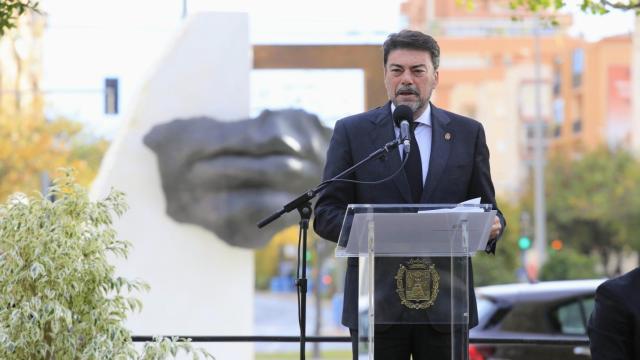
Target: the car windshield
(486, 308)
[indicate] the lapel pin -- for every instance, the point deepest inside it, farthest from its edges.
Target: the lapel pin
(447, 136)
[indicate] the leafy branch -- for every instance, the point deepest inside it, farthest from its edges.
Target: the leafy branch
(11, 10)
(59, 295)
(597, 7)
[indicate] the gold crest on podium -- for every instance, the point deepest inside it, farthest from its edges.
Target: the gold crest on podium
(417, 284)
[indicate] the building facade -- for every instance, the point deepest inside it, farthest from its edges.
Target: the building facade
(488, 72)
(21, 66)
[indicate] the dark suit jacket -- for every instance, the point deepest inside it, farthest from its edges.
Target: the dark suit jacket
(458, 171)
(614, 325)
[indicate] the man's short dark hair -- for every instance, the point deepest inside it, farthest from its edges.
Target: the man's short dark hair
(412, 40)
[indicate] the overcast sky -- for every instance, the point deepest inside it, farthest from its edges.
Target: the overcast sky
(89, 40)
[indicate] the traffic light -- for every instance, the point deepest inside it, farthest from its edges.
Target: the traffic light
(524, 243)
(111, 96)
(556, 244)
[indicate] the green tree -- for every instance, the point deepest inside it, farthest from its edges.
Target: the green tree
(568, 264)
(269, 257)
(85, 154)
(593, 202)
(501, 267)
(588, 6)
(31, 146)
(11, 10)
(59, 295)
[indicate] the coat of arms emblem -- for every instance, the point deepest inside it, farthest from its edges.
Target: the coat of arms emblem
(417, 284)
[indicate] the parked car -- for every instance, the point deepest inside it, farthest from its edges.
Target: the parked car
(545, 310)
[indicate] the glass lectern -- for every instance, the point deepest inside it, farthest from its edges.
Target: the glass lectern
(414, 266)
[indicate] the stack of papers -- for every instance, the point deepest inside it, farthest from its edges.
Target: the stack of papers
(466, 206)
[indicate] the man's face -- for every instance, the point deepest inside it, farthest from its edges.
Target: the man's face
(410, 78)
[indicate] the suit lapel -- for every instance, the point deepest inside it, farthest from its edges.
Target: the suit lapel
(440, 150)
(383, 133)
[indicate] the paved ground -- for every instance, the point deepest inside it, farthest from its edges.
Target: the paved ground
(277, 314)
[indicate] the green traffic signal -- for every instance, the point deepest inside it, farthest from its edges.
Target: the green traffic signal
(524, 243)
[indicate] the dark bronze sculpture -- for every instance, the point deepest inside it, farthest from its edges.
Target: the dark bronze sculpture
(227, 175)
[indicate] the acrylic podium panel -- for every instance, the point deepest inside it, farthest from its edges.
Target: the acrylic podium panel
(414, 266)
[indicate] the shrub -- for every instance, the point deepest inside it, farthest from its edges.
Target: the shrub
(59, 296)
(568, 264)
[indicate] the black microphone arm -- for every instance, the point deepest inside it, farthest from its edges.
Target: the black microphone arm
(310, 194)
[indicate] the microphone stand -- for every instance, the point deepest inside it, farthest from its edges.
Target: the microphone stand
(303, 204)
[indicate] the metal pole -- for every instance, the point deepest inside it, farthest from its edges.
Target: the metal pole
(317, 279)
(184, 9)
(635, 82)
(305, 215)
(540, 236)
(371, 259)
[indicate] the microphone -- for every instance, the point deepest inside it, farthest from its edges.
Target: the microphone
(402, 117)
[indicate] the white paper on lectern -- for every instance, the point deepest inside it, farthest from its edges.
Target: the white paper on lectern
(460, 208)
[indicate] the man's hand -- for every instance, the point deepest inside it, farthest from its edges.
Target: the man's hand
(495, 228)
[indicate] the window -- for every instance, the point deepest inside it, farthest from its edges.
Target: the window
(577, 67)
(571, 318)
(558, 111)
(557, 82)
(577, 125)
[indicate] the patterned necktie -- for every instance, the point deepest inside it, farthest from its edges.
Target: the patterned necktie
(413, 167)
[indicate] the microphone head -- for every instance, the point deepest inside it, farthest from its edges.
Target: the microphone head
(402, 112)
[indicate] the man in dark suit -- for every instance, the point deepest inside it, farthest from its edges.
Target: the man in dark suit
(614, 325)
(452, 166)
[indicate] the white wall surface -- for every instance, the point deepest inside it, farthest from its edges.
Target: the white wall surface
(199, 284)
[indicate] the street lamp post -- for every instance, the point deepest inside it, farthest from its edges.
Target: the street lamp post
(540, 238)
